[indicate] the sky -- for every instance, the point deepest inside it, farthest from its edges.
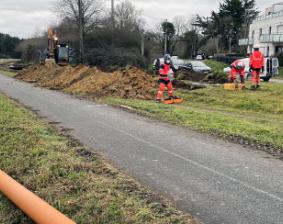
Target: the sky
(28, 18)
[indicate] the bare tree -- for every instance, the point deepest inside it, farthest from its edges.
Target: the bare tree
(127, 17)
(84, 13)
(181, 24)
(169, 34)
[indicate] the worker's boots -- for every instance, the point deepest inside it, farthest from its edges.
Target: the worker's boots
(255, 87)
(242, 86)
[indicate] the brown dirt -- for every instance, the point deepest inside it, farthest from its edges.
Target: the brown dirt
(128, 83)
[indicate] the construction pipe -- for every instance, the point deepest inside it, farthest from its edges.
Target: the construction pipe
(33, 206)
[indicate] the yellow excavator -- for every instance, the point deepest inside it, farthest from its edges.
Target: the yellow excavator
(60, 53)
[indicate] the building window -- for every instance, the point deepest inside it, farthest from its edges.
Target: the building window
(260, 33)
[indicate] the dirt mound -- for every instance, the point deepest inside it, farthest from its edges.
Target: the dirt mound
(66, 78)
(126, 83)
(91, 82)
(40, 74)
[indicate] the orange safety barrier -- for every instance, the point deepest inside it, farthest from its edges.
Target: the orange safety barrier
(33, 206)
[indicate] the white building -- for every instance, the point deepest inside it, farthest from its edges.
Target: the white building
(267, 31)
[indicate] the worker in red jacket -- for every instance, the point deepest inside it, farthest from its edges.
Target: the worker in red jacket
(256, 65)
(238, 68)
(165, 69)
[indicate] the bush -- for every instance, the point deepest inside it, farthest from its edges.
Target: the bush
(280, 58)
(217, 69)
(111, 60)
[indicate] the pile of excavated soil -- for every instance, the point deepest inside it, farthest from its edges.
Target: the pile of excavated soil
(128, 83)
(68, 76)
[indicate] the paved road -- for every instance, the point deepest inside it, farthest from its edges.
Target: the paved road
(218, 182)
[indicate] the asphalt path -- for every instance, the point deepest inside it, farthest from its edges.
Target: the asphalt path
(214, 180)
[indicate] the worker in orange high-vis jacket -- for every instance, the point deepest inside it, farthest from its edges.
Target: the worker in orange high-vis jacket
(164, 81)
(256, 66)
(238, 68)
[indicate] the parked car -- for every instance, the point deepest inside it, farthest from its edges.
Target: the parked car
(196, 66)
(200, 57)
(271, 68)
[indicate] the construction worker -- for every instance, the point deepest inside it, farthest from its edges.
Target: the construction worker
(165, 69)
(256, 65)
(238, 68)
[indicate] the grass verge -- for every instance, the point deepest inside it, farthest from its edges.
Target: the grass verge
(252, 118)
(8, 73)
(78, 183)
(280, 76)
(4, 67)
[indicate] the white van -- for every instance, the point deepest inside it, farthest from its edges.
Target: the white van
(271, 68)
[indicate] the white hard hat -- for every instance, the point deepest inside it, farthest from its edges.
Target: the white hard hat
(256, 46)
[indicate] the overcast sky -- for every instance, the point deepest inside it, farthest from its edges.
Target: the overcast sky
(26, 18)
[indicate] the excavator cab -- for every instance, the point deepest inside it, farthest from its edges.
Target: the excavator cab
(62, 54)
(59, 53)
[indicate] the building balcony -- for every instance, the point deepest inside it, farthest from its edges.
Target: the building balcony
(269, 16)
(271, 38)
(246, 41)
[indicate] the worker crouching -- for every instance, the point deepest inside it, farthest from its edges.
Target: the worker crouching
(238, 68)
(164, 81)
(256, 65)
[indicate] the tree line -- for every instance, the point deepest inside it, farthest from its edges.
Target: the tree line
(8, 46)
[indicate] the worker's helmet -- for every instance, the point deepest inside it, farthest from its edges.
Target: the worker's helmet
(167, 59)
(240, 65)
(256, 47)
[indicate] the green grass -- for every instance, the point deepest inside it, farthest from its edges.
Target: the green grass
(217, 67)
(8, 73)
(78, 183)
(280, 76)
(4, 67)
(254, 116)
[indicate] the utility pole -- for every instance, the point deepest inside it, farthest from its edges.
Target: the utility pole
(81, 30)
(112, 14)
(112, 24)
(165, 44)
(142, 42)
(194, 41)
